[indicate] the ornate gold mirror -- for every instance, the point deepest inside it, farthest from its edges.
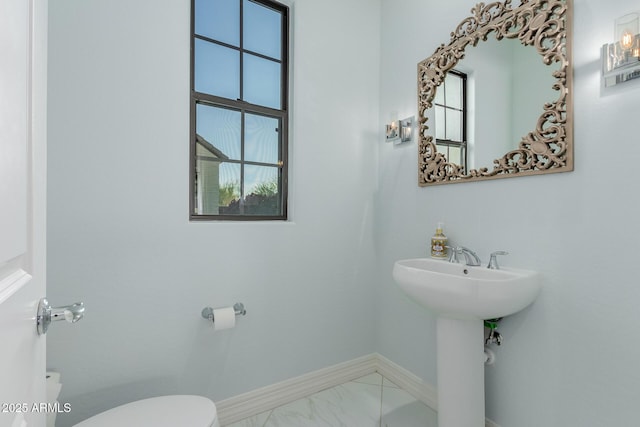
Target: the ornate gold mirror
(536, 37)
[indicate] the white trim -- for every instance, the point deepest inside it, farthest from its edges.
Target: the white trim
(409, 382)
(266, 398)
(270, 397)
(13, 283)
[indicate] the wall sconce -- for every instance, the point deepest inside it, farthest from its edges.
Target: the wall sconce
(621, 59)
(392, 130)
(400, 131)
(406, 130)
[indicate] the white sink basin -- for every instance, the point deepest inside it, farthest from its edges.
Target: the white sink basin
(459, 291)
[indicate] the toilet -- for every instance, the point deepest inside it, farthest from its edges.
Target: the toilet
(163, 411)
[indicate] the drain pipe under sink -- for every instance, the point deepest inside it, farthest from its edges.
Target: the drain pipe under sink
(489, 356)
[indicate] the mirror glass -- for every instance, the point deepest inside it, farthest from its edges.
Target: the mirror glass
(514, 91)
(507, 86)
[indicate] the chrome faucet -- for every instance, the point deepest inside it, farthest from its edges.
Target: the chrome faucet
(471, 258)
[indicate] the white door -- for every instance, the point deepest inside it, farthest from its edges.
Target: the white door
(23, 27)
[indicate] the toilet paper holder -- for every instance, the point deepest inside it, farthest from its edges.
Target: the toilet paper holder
(238, 307)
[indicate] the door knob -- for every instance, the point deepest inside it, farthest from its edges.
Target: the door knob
(47, 314)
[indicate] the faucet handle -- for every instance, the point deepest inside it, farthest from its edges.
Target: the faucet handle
(493, 260)
(454, 251)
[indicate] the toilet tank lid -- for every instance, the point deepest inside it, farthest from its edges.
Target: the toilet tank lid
(163, 411)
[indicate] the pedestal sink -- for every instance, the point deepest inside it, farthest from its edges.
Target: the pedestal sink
(462, 297)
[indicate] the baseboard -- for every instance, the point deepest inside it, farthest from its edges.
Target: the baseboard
(412, 384)
(407, 381)
(266, 398)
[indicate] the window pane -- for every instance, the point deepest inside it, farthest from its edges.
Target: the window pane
(440, 122)
(261, 190)
(262, 29)
(261, 81)
(218, 20)
(455, 154)
(453, 95)
(454, 125)
(439, 99)
(262, 138)
(217, 186)
(218, 131)
(217, 70)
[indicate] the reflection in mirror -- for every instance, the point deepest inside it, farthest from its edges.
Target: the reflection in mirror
(507, 86)
(501, 95)
(451, 118)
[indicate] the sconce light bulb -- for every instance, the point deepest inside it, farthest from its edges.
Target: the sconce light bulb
(626, 41)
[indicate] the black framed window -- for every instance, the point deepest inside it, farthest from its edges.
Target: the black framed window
(239, 115)
(451, 118)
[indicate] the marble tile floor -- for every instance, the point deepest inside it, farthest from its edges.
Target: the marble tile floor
(370, 401)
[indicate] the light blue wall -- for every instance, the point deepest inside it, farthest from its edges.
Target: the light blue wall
(571, 359)
(119, 235)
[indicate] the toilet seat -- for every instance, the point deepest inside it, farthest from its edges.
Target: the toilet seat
(163, 411)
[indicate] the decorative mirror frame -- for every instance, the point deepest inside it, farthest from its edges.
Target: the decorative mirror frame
(543, 24)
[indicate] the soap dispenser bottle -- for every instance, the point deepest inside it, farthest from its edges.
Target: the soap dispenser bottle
(439, 244)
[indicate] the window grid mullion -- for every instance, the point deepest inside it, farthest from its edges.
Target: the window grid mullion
(444, 112)
(242, 161)
(237, 48)
(237, 105)
(214, 41)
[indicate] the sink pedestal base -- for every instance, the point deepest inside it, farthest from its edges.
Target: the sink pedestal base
(460, 372)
